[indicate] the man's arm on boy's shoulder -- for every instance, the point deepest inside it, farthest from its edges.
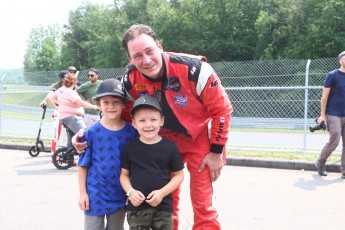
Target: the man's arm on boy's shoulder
(76, 142)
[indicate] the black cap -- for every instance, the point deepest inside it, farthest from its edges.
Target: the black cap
(110, 87)
(145, 101)
(63, 73)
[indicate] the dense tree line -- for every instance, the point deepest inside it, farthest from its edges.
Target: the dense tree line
(222, 30)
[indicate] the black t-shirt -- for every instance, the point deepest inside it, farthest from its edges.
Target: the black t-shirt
(150, 167)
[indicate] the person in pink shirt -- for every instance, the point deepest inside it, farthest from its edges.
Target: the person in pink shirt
(71, 106)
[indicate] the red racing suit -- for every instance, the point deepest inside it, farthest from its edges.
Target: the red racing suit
(194, 95)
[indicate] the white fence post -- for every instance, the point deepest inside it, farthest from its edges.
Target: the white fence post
(306, 105)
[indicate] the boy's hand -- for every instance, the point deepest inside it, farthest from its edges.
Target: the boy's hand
(84, 202)
(76, 142)
(155, 198)
(136, 197)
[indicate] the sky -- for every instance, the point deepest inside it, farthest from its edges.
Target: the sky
(19, 17)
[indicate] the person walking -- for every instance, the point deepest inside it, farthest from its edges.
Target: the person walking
(87, 91)
(333, 115)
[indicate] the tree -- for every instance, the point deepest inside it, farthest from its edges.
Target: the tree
(43, 49)
(92, 37)
(277, 28)
(325, 29)
(220, 30)
(297, 29)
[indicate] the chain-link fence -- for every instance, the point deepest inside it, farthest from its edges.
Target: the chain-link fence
(275, 102)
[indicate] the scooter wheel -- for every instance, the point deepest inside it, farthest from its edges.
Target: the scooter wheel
(34, 151)
(63, 159)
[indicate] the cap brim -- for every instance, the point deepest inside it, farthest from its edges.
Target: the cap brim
(108, 94)
(135, 108)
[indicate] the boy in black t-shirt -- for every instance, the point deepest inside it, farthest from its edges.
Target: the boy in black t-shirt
(152, 169)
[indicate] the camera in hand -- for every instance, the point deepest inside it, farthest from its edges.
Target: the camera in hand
(318, 126)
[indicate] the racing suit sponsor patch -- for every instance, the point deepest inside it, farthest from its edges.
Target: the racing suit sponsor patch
(181, 100)
(174, 84)
(214, 83)
(220, 128)
(140, 87)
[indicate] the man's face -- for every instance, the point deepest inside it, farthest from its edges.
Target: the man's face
(93, 77)
(146, 55)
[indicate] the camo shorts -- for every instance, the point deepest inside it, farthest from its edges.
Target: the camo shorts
(150, 218)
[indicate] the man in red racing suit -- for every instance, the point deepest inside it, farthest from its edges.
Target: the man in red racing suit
(191, 97)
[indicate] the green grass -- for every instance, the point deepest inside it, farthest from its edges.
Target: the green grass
(267, 130)
(282, 156)
(24, 142)
(30, 99)
(20, 115)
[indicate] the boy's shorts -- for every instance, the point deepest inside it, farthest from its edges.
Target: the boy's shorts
(150, 218)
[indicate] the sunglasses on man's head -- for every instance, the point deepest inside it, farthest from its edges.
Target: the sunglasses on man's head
(72, 71)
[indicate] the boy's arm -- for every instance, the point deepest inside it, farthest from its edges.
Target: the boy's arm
(135, 196)
(156, 197)
(124, 180)
(83, 196)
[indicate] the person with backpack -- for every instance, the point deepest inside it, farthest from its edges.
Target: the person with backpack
(333, 115)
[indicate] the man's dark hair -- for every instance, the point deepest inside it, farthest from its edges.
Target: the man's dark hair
(134, 31)
(94, 70)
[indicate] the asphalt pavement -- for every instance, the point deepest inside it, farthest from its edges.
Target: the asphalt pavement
(256, 195)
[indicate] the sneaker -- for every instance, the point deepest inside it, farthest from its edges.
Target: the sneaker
(320, 169)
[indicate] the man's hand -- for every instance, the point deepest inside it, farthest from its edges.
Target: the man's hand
(321, 120)
(214, 163)
(76, 142)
